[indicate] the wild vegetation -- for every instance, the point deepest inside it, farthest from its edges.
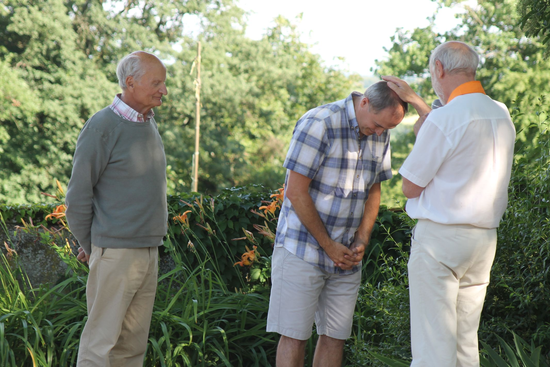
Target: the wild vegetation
(57, 68)
(211, 306)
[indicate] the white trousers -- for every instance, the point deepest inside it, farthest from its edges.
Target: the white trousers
(120, 296)
(449, 270)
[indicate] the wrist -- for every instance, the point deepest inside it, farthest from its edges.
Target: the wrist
(325, 243)
(362, 237)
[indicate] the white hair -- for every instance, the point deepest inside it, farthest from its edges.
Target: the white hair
(130, 65)
(456, 57)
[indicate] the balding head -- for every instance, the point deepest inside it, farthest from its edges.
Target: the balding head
(456, 58)
(135, 65)
(142, 77)
(381, 96)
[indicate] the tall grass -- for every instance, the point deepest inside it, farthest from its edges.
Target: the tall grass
(39, 327)
(197, 321)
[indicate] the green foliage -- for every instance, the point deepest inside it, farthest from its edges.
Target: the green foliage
(197, 321)
(40, 326)
(402, 140)
(527, 354)
(57, 68)
(252, 94)
(14, 214)
(51, 91)
(535, 18)
(381, 320)
(513, 69)
(520, 290)
(213, 235)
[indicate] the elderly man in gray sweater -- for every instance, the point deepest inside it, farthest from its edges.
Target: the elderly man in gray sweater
(116, 208)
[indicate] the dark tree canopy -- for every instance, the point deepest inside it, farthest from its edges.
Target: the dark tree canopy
(535, 18)
(57, 68)
(513, 68)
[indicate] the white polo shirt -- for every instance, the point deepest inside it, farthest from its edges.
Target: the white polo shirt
(463, 157)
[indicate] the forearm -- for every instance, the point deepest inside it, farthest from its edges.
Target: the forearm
(372, 206)
(302, 203)
(411, 190)
(307, 213)
(420, 106)
(88, 163)
(79, 210)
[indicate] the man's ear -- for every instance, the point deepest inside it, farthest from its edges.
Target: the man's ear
(130, 82)
(439, 69)
(364, 102)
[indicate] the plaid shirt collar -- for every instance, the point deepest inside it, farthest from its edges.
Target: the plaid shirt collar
(350, 109)
(126, 112)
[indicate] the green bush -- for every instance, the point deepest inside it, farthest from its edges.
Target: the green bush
(211, 312)
(519, 293)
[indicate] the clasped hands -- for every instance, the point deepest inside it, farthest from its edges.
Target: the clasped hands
(343, 257)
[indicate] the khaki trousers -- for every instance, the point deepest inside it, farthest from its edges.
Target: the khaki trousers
(449, 270)
(120, 296)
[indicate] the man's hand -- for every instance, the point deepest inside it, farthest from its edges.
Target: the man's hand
(405, 92)
(342, 256)
(358, 250)
(82, 256)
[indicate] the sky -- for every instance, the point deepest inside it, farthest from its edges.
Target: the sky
(357, 30)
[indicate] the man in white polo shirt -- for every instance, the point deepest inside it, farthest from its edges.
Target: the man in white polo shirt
(456, 179)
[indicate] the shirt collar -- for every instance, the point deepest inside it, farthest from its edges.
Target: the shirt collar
(127, 112)
(467, 88)
(350, 109)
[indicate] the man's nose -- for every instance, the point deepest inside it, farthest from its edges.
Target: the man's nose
(379, 131)
(164, 90)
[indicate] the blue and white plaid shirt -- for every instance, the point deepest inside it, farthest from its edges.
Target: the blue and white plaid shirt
(326, 147)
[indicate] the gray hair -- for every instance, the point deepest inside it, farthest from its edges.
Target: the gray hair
(381, 97)
(130, 65)
(456, 57)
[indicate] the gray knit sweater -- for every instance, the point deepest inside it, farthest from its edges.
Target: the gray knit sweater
(116, 197)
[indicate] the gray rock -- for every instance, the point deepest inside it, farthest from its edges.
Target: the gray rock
(39, 259)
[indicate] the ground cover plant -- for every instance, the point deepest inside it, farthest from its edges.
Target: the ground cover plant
(212, 303)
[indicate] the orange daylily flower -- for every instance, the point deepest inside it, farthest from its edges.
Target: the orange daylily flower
(248, 257)
(58, 213)
(182, 218)
(270, 208)
(280, 195)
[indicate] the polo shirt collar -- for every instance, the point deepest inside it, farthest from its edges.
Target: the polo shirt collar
(467, 88)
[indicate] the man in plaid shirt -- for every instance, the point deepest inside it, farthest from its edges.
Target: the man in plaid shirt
(339, 154)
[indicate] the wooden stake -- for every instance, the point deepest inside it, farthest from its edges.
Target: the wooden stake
(197, 121)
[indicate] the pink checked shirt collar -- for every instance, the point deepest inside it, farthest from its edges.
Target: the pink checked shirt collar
(127, 112)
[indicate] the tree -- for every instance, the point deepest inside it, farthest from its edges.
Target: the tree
(61, 57)
(52, 87)
(513, 68)
(253, 93)
(535, 18)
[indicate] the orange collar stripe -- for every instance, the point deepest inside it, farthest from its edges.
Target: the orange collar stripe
(467, 88)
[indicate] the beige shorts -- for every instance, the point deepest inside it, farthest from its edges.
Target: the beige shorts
(302, 293)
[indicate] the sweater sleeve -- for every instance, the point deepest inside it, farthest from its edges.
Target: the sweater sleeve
(90, 159)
